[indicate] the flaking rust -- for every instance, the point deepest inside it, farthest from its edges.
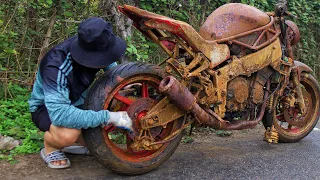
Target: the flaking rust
(238, 46)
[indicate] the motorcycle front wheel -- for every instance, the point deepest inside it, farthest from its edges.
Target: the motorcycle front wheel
(291, 125)
(131, 87)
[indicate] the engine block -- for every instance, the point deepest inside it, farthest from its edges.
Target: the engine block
(238, 94)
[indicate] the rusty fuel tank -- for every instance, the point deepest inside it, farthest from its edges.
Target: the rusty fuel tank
(232, 19)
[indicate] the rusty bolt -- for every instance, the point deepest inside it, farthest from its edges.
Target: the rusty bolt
(168, 69)
(223, 93)
(150, 121)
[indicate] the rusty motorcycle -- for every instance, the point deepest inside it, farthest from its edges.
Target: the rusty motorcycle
(238, 70)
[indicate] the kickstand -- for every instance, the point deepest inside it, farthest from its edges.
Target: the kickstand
(191, 128)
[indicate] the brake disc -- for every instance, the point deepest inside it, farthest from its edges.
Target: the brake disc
(292, 115)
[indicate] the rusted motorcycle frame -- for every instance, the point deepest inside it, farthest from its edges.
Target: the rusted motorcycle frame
(237, 71)
(257, 47)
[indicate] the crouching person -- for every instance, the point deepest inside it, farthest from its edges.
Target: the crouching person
(64, 75)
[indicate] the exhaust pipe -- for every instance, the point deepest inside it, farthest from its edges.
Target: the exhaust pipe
(185, 100)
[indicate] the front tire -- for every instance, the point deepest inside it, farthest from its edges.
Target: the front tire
(293, 131)
(111, 146)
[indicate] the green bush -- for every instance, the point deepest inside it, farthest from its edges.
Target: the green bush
(15, 121)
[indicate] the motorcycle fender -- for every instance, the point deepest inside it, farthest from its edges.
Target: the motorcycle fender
(302, 67)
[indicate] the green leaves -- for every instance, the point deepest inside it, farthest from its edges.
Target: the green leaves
(10, 51)
(68, 14)
(49, 2)
(7, 43)
(187, 139)
(222, 133)
(15, 121)
(138, 51)
(118, 138)
(131, 49)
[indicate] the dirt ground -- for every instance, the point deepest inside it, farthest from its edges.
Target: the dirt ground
(85, 167)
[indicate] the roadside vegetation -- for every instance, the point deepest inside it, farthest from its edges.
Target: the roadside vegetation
(28, 28)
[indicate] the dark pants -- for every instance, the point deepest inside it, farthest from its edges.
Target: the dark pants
(41, 118)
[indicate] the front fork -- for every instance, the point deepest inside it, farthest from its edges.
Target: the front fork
(298, 91)
(271, 134)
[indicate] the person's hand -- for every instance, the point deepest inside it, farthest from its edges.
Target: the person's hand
(120, 119)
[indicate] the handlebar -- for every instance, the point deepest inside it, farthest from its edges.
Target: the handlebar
(291, 15)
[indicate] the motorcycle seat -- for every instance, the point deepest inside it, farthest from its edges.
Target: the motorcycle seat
(217, 53)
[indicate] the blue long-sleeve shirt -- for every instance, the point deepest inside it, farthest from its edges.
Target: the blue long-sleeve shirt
(61, 85)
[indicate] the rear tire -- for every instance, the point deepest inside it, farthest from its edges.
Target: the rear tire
(99, 141)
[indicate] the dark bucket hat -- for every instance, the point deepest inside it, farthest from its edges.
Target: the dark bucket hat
(96, 45)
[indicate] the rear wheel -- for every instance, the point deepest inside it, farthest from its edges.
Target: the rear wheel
(133, 88)
(291, 125)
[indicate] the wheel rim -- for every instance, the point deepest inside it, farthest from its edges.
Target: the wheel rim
(311, 103)
(117, 101)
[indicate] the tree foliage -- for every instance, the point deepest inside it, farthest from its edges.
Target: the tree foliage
(24, 26)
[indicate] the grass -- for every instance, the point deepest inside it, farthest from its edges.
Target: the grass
(15, 121)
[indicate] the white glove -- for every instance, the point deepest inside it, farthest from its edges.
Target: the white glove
(120, 119)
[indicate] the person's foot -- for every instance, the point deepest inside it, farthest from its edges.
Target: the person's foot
(55, 159)
(48, 150)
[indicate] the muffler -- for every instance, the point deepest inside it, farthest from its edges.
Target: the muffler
(185, 100)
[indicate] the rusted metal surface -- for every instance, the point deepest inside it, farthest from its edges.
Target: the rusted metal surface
(232, 19)
(298, 123)
(144, 21)
(137, 110)
(302, 67)
(143, 142)
(257, 30)
(156, 40)
(255, 39)
(160, 115)
(223, 73)
(257, 90)
(175, 133)
(185, 36)
(240, 24)
(185, 100)
(196, 55)
(215, 89)
(291, 116)
(177, 92)
(298, 90)
(207, 117)
(217, 53)
(293, 33)
(238, 94)
(244, 66)
(157, 27)
(271, 135)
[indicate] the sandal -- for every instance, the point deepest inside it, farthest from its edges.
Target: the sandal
(57, 155)
(79, 150)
